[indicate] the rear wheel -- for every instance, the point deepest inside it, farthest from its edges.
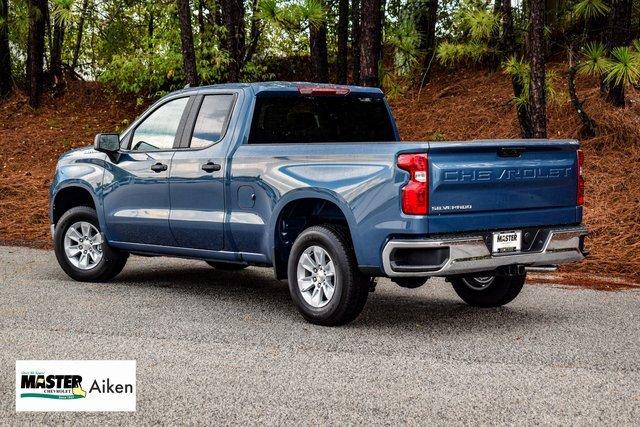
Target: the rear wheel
(81, 250)
(324, 279)
(488, 291)
(227, 266)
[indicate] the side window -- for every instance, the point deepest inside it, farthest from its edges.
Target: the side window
(158, 130)
(212, 120)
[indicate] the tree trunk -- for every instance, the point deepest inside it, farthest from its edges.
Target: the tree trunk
(355, 40)
(508, 40)
(370, 41)
(201, 21)
(186, 37)
(76, 48)
(508, 47)
(254, 31)
(537, 63)
(588, 125)
(56, 51)
(35, 50)
(426, 16)
(233, 16)
(494, 40)
(343, 39)
(6, 82)
(619, 35)
(318, 48)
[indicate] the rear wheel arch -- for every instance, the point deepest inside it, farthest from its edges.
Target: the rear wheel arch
(296, 215)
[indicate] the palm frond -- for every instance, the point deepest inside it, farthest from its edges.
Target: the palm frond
(587, 9)
(624, 67)
(594, 62)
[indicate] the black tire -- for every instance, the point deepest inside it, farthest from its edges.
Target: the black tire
(351, 288)
(226, 266)
(410, 282)
(478, 292)
(112, 262)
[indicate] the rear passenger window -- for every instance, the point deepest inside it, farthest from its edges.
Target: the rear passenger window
(212, 120)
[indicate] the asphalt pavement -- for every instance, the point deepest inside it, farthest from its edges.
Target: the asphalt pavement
(216, 347)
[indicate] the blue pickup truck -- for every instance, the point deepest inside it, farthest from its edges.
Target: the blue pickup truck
(314, 181)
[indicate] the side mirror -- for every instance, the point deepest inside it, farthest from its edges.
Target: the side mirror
(107, 142)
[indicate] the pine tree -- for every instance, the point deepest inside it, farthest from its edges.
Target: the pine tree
(343, 36)
(355, 39)
(370, 41)
(537, 61)
(186, 37)
(5, 54)
(426, 15)
(233, 17)
(35, 50)
(318, 50)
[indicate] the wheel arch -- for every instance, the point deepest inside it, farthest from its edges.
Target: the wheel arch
(70, 196)
(304, 208)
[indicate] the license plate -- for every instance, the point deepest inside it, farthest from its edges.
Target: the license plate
(507, 241)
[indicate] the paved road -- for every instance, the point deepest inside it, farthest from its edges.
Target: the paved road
(216, 347)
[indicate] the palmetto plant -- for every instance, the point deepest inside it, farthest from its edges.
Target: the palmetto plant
(624, 66)
(595, 61)
(61, 10)
(588, 9)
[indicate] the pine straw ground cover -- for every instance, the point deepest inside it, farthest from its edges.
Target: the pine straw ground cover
(463, 105)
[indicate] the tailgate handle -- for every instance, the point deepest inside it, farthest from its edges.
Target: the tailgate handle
(510, 151)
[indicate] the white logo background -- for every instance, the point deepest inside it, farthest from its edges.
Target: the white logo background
(117, 371)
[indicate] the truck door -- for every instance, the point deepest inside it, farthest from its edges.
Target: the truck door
(197, 178)
(136, 186)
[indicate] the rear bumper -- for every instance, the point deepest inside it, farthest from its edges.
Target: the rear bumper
(469, 254)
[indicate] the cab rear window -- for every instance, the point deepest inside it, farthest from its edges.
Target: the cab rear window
(318, 119)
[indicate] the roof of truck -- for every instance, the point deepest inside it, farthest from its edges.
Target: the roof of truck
(277, 86)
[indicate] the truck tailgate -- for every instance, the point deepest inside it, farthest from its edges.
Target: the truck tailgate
(503, 177)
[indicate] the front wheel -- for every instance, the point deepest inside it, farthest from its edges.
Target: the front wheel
(488, 291)
(81, 250)
(324, 280)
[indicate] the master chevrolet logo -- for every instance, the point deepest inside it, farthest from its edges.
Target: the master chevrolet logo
(75, 385)
(52, 386)
(507, 174)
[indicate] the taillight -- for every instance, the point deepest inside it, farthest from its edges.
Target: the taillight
(580, 192)
(415, 195)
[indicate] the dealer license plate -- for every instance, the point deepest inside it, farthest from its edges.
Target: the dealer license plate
(507, 241)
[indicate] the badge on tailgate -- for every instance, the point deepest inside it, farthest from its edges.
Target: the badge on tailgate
(507, 241)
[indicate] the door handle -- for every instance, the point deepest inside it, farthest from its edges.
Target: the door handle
(211, 167)
(159, 167)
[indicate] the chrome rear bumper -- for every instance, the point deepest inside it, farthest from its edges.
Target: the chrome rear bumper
(470, 254)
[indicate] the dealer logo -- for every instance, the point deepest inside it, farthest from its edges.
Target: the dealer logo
(80, 385)
(52, 386)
